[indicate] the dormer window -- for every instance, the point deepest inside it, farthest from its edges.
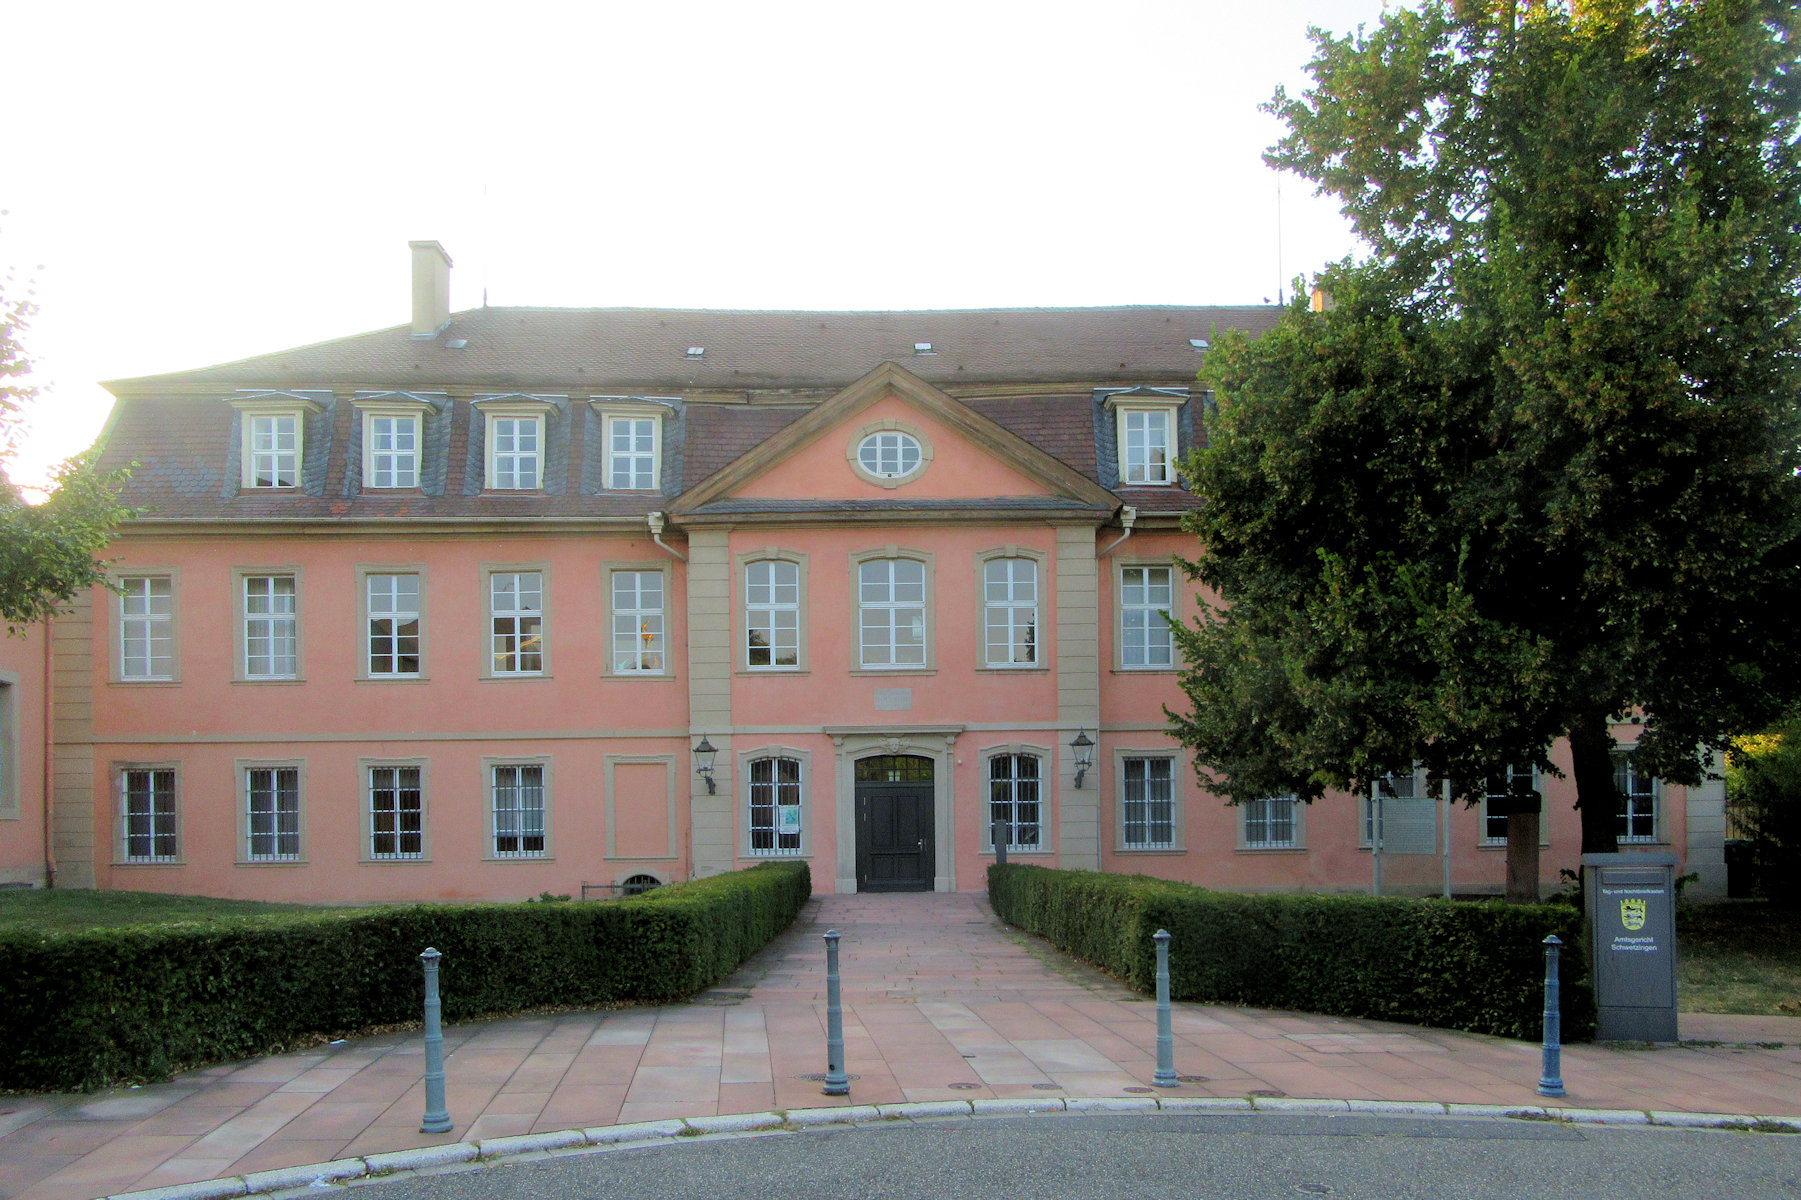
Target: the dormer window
(273, 439)
(1145, 427)
(516, 432)
(633, 439)
(393, 434)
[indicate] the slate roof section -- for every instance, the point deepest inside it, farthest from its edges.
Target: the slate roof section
(625, 349)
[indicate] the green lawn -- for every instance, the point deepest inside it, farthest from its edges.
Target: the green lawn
(70, 910)
(1739, 958)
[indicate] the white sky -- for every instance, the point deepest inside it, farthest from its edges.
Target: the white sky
(191, 183)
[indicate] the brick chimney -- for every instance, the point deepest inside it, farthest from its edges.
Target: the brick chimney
(431, 289)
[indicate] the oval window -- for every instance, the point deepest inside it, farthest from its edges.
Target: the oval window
(889, 455)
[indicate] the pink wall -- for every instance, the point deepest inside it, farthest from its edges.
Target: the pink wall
(22, 686)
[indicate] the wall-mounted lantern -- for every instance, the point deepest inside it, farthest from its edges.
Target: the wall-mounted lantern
(703, 763)
(1084, 749)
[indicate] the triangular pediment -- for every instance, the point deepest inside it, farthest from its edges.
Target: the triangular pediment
(970, 461)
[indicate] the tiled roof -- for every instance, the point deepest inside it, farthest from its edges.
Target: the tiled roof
(642, 348)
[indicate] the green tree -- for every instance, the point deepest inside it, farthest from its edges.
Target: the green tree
(1763, 799)
(47, 551)
(1535, 466)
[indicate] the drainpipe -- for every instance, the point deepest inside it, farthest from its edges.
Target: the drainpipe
(49, 757)
(1128, 517)
(656, 535)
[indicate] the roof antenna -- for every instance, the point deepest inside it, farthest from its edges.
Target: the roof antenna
(1277, 238)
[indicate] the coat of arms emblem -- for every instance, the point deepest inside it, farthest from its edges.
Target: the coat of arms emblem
(1632, 914)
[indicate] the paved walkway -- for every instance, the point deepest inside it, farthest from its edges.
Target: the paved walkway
(941, 1003)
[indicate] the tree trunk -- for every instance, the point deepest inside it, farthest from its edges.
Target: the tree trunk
(1522, 857)
(1591, 752)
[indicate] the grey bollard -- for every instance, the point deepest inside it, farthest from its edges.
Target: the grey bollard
(1550, 1080)
(999, 835)
(437, 1117)
(1165, 1075)
(837, 1083)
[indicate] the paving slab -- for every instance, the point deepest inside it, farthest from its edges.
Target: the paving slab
(943, 1005)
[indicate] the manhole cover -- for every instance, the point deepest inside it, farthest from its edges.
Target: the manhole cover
(967, 1087)
(1138, 1089)
(819, 1077)
(1191, 1079)
(1267, 1093)
(1048, 1087)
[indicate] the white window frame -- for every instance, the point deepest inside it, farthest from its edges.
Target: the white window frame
(397, 616)
(260, 618)
(137, 622)
(882, 435)
(510, 663)
(161, 838)
(374, 467)
(269, 823)
(765, 607)
(509, 777)
(885, 598)
(1008, 607)
(1014, 791)
(375, 779)
(1260, 823)
(260, 421)
(784, 799)
(1489, 837)
(502, 468)
(1140, 616)
(1641, 801)
(1128, 763)
(638, 637)
(636, 467)
(1143, 426)
(11, 804)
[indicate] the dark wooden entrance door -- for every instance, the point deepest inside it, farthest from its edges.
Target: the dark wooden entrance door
(895, 845)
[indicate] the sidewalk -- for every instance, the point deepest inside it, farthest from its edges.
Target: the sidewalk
(940, 1003)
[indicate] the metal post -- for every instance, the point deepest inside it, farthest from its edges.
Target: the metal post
(998, 832)
(1165, 1075)
(1550, 1081)
(437, 1117)
(837, 1083)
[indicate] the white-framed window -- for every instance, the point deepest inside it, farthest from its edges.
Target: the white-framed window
(776, 815)
(271, 620)
(396, 812)
(1015, 799)
(634, 452)
(1270, 823)
(639, 636)
(1497, 799)
(1148, 802)
(146, 627)
(772, 615)
(518, 810)
(889, 453)
(1010, 612)
(394, 620)
(891, 614)
(274, 450)
(10, 801)
(391, 449)
(1146, 600)
(1638, 814)
(1147, 446)
(148, 830)
(516, 622)
(515, 453)
(271, 814)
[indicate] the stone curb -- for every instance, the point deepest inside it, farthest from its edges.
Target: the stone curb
(494, 1150)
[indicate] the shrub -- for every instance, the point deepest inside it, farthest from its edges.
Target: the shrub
(1478, 967)
(88, 1009)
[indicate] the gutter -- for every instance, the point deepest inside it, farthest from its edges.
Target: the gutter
(1128, 517)
(656, 535)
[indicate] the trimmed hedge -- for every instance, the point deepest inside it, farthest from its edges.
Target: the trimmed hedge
(1477, 967)
(90, 1009)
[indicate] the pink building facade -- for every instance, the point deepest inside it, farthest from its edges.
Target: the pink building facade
(444, 611)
